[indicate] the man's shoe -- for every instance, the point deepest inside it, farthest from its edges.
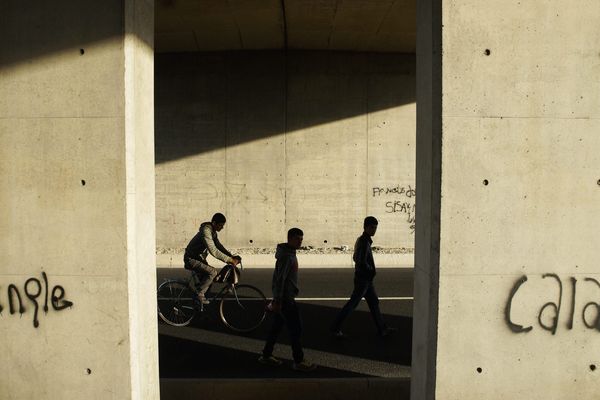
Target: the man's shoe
(339, 334)
(202, 300)
(270, 360)
(387, 331)
(304, 366)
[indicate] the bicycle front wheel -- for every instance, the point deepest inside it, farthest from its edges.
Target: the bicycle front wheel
(175, 303)
(242, 308)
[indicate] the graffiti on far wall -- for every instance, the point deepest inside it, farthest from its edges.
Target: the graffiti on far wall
(398, 200)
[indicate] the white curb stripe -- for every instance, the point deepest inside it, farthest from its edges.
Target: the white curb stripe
(347, 298)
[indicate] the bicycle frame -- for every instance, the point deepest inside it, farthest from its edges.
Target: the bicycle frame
(232, 293)
(228, 285)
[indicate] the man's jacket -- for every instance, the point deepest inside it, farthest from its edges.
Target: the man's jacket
(205, 242)
(364, 265)
(285, 276)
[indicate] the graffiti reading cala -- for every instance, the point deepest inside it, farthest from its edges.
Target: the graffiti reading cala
(554, 308)
(33, 289)
(405, 205)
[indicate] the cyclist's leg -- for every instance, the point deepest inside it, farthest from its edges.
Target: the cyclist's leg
(207, 275)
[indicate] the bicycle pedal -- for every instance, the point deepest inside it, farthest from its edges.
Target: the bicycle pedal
(198, 306)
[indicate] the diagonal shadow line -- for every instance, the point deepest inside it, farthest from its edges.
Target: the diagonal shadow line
(30, 31)
(209, 101)
(183, 358)
(229, 347)
(363, 342)
(317, 316)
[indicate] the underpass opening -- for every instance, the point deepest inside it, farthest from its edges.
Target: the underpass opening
(281, 114)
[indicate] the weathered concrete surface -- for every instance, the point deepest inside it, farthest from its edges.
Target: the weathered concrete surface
(520, 197)
(76, 188)
(319, 144)
(215, 25)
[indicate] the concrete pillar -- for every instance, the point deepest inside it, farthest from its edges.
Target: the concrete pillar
(77, 193)
(508, 190)
(428, 175)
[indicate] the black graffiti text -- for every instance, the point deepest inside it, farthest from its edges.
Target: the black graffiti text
(554, 308)
(407, 191)
(33, 289)
(404, 207)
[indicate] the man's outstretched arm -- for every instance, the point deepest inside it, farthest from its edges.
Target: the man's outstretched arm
(212, 247)
(222, 248)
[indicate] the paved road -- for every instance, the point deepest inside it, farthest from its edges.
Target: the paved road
(206, 349)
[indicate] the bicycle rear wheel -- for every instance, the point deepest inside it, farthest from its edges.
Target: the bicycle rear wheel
(175, 303)
(242, 308)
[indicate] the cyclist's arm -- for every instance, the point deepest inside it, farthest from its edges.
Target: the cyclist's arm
(222, 248)
(233, 259)
(212, 247)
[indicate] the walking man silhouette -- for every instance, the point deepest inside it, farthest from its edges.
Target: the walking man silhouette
(364, 273)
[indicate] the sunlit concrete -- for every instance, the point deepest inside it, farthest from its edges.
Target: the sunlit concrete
(319, 145)
(508, 201)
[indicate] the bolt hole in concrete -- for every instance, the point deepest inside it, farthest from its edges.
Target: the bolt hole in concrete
(81, 51)
(485, 182)
(592, 367)
(88, 371)
(324, 241)
(251, 241)
(479, 370)
(598, 182)
(487, 52)
(82, 182)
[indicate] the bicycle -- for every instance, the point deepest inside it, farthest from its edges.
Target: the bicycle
(241, 307)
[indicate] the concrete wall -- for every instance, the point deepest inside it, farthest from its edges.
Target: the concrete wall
(520, 195)
(319, 141)
(77, 194)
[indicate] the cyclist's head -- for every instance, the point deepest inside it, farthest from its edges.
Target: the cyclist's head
(218, 221)
(295, 236)
(370, 225)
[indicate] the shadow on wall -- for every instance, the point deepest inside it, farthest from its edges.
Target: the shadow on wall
(210, 101)
(56, 28)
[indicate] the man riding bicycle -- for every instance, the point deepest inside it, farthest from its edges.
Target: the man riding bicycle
(203, 243)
